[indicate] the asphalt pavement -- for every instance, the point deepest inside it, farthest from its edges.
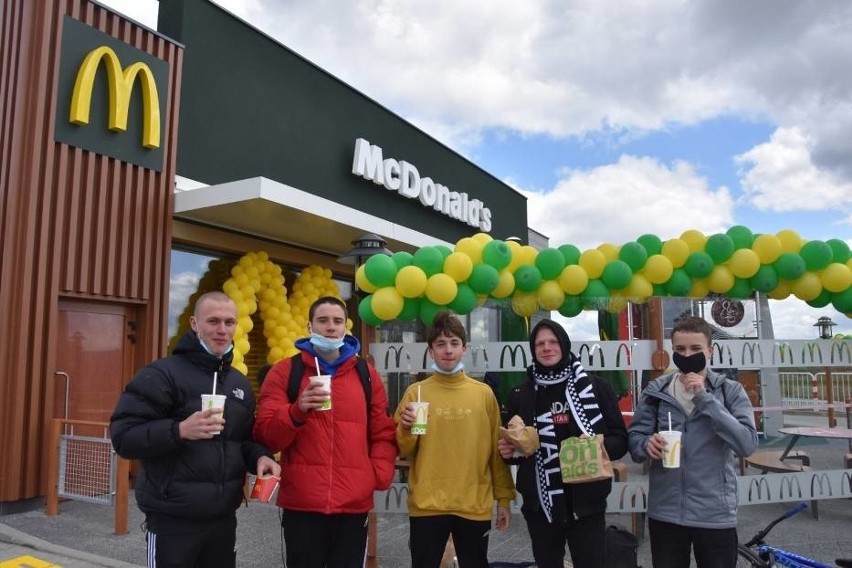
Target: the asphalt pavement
(82, 534)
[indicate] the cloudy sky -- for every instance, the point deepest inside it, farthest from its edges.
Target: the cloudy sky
(615, 118)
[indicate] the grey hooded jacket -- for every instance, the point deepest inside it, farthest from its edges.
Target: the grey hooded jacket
(703, 491)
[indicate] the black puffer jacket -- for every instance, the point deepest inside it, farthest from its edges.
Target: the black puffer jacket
(201, 479)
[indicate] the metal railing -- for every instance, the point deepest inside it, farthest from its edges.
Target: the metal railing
(800, 389)
(86, 468)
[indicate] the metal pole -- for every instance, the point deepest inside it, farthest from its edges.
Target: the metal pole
(829, 394)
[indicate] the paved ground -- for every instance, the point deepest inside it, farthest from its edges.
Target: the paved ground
(81, 535)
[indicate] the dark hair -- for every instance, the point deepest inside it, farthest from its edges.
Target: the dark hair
(446, 323)
(693, 324)
(327, 300)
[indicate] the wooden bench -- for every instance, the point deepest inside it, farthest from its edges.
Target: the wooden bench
(770, 461)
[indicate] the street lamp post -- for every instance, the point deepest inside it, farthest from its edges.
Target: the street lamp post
(365, 246)
(824, 326)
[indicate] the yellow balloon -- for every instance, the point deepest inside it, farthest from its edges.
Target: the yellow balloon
(527, 254)
(807, 287)
(767, 247)
(781, 291)
(573, 279)
(505, 285)
(616, 304)
(744, 263)
(790, 240)
(245, 323)
(471, 248)
(441, 289)
(550, 295)
(639, 290)
(609, 250)
(694, 239)
(483, 238)
(515, 247)
(836, 277)
(699, 289)
(525, 304)
(387, 303)
(362, 281)
(242, 345)
(677, 251)
(275, 355)
(411, 281)
(593, 262)
(721, 279)
(458, 266)
(658, 269)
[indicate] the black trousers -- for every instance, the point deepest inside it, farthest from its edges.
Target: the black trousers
(315, 540)
(585, 539)
(428, 539)
(671, 543)
(191, 544)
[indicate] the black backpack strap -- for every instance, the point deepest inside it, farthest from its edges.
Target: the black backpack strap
(364, 374)
(297, 369)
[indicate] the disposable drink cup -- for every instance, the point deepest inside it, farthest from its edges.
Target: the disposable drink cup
(671, 455)
(325, 380)
(213, 401)
(421, 417)
(264, 488)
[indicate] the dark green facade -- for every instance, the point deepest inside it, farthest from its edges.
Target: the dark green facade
(251, 107)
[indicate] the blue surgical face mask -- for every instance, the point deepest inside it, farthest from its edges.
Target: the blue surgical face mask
(323, 343)
(204, 345)
(457, 369)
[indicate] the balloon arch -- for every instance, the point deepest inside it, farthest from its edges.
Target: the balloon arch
(409, 286)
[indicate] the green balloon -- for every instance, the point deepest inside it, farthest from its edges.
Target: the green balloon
(410, 309)
(680, 283)
(527, 278)
(839, 249)
(720, 247)
(742, 236)
(595, 296)
(571, 254)
(820, 301)
(380, 270)
(497, 254)
(816, 254)
(571, 306)
(617, 274)
(741, 289)
(651, 243)
(842, 301)
(429, 260)
(790, 266)
(444, 250)
(465, 300)
(766, 279)
(365, 311)
(699, 265)
(402, 259)
(660, 291)
(634, 255)
(550, 263)
(428, 311)
(483, 278)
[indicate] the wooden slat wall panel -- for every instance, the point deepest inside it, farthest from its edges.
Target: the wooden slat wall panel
(73, 223)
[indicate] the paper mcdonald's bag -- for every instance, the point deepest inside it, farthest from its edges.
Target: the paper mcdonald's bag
(584, 459)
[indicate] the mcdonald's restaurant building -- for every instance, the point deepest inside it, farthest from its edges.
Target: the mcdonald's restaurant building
(136, 164)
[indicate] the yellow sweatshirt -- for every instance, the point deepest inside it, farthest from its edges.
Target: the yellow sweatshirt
(455, 467)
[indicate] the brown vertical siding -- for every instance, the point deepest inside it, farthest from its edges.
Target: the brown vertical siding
(74, 223)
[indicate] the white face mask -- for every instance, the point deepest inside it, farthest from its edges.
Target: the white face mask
(204, 346)
(323, 343)
(457, 369)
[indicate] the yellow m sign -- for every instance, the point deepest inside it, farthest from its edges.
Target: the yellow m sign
(120, 88)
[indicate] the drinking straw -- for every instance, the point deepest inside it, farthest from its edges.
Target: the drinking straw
(418, 393)
(670, 421)
(215, 378)
(316, 362)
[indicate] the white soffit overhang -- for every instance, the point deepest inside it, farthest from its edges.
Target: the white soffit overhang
(265, 208)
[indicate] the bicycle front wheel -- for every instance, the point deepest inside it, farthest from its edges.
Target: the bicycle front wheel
(748, 558)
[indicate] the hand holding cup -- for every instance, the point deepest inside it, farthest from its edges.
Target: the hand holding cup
(316, 395)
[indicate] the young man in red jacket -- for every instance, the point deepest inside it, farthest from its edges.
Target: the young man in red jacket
(330, 463)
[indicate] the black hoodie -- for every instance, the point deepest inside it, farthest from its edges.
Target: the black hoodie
(183, 479)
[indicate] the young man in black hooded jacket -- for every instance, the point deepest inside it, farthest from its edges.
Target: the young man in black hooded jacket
(560, 400)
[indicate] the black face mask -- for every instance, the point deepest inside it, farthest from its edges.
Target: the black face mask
(692, 364)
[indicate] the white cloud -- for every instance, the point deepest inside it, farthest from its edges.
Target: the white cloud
(794, 319)
(620, 202)
(181, 287)
(779, 175)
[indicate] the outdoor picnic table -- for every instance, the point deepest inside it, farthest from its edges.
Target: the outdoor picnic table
(809, 432)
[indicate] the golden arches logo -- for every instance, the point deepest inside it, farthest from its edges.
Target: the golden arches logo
(120, 81)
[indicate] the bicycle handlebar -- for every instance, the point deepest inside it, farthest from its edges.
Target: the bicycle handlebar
(762, 534)
(795, 510)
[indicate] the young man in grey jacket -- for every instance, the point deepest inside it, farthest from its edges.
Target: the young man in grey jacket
(693, 506)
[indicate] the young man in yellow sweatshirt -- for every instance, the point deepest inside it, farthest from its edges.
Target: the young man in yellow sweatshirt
(456, 472)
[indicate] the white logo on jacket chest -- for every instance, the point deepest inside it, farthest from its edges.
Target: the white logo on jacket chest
(238, 393)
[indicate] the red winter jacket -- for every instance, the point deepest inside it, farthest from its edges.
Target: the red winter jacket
(326, 466)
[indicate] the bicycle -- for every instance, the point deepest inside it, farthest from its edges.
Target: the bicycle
(757, 554)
